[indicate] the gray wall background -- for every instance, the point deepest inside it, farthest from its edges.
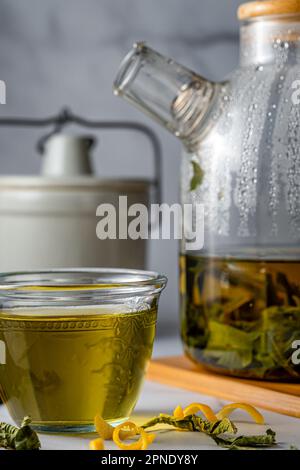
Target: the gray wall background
(56, 53)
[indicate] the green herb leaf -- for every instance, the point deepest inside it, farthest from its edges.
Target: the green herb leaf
(230, 347)
(195, 424)
(247, 442)
(216, 428)
(23, 438)
(197, 177)
(219, 431)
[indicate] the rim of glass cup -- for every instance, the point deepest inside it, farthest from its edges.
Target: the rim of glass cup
(84, 286)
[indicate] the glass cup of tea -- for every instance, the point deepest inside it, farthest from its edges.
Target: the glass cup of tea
(75, 344)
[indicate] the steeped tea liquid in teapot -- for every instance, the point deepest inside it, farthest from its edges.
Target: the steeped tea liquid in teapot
(240, 296)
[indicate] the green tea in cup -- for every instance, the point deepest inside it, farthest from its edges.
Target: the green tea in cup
(76, 344)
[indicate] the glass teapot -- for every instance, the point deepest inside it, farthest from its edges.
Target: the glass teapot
(240, 295)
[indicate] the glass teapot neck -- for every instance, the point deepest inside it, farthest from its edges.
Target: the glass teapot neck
(267, 40)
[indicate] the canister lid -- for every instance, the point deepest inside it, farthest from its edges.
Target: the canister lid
(268, 7)
(82, 183)
(29, 195)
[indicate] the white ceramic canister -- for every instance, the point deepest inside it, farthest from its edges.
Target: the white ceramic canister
(50, 221)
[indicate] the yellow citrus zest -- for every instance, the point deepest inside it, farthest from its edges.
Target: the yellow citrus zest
(253, 412)
(141, 444)
(206, 410)
(196, 295)
(182, 281)
(147, 439)
(178, 413)
(97, 444)
(104, 429)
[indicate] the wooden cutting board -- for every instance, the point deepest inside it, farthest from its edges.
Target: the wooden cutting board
(183, 373)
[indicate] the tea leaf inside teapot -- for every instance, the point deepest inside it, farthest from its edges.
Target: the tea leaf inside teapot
(242, 316)
(198, 175)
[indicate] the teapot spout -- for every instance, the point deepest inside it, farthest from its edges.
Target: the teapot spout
(173, 95)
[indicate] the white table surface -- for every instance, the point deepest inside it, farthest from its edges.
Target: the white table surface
(156, 398)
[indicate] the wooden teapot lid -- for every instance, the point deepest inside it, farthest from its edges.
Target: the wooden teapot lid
(268, 7)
